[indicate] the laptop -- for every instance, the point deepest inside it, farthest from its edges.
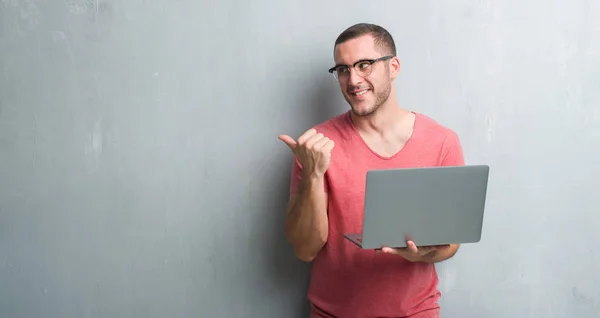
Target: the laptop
(430, 206)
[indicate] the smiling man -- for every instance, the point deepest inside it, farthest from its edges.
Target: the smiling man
(328, 185)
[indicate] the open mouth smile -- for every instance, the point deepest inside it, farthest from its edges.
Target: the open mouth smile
(359, 93)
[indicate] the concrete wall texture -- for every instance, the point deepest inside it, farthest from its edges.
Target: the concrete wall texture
(141, 175)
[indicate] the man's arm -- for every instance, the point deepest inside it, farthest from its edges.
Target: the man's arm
(306, 224)
(439, 254)
(424, 254)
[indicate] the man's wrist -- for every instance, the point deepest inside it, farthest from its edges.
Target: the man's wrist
(424, 258)
(438, 255)
(310, 183)
(429, 256)
(312, 177)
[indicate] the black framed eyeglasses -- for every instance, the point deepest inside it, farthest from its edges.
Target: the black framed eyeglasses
(363, 67)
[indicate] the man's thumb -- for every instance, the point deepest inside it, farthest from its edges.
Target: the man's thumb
(288, 141)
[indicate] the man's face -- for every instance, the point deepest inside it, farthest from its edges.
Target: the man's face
(365, 94)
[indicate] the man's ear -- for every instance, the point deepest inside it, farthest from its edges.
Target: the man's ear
(394, 67)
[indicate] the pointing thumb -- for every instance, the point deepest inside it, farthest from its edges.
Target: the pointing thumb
(288, 141)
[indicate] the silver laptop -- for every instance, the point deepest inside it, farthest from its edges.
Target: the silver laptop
(430, 206)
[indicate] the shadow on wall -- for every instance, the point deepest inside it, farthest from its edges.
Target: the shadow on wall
(289, 274)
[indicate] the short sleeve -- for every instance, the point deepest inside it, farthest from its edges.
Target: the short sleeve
(452, 152)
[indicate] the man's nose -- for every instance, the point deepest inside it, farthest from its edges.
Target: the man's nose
(354, 78)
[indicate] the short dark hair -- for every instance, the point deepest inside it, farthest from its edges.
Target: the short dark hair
(383, 39)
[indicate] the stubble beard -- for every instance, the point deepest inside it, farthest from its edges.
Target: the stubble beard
(380, 98)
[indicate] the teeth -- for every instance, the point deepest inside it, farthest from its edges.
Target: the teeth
(360, 93)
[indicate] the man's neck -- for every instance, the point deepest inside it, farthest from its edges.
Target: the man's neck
(386, 120)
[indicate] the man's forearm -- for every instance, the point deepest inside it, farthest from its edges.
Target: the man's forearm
(307, 223)
(437, 256)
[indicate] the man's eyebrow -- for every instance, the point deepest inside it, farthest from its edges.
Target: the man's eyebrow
(359, 60)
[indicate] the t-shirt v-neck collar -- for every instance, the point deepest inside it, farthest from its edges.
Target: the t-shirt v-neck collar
(356, 134)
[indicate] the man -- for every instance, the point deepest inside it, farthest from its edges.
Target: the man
(328, 185)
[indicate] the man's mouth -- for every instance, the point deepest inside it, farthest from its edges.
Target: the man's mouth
(359, 93)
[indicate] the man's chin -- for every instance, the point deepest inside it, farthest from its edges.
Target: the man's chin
(362, 111)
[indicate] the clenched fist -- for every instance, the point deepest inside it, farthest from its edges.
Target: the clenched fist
(313, 151)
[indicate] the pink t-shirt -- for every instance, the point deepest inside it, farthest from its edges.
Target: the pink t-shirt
(346, 280)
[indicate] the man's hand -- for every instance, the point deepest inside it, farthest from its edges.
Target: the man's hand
(430, 254)
(313, 151)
